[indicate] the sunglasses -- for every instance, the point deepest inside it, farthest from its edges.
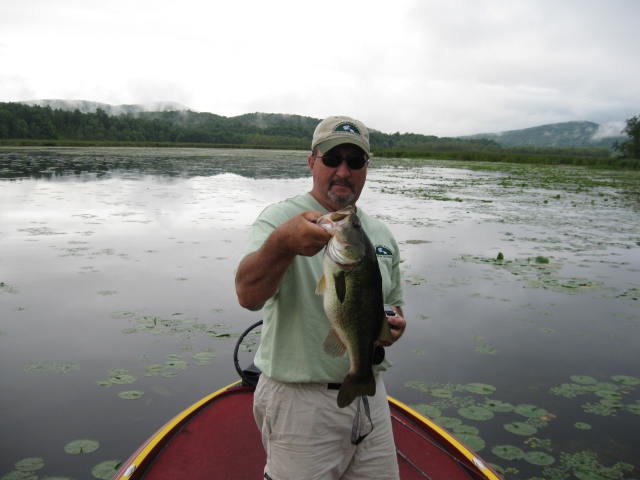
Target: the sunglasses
(354, 162)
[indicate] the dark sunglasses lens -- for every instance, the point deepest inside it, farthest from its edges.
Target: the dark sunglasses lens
(354, 163)
(331, 162)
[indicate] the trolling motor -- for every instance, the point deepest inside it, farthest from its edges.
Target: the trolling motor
(251, 374)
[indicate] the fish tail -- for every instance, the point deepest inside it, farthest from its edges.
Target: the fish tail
(355, 385)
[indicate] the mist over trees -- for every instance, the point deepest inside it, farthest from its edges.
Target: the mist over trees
(43, 125)
(630, 148)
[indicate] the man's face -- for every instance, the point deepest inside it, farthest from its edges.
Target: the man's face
(338, 186)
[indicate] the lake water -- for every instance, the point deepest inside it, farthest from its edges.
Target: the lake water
(118, 309)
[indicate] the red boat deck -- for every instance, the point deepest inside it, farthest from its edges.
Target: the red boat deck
(223, 443)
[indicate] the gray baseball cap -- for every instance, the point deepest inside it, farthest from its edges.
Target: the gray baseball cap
(336, 130)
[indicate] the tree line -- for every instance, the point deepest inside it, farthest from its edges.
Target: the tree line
(45, 125)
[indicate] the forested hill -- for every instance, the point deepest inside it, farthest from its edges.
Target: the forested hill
(565, 134)
(62, 122)
(269, 130)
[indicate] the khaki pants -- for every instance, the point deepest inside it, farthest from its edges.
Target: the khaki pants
(307, 436)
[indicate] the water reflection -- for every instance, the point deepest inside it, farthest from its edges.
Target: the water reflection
(49, 163)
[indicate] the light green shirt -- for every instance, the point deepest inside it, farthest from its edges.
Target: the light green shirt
(295, 324)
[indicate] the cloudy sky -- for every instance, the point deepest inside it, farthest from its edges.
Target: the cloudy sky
(443, 68)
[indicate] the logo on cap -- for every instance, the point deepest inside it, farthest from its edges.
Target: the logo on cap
(347, 128)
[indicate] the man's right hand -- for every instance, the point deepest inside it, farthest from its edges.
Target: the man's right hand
(259, 273)
(300, 235)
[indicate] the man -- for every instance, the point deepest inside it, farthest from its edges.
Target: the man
(305, 434)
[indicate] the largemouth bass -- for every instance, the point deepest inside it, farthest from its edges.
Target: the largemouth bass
(353, 302)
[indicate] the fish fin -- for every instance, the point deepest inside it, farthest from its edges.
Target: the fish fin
(322, 286)
(385, 332)
(354, 386)
(341, 286)
(333, 345)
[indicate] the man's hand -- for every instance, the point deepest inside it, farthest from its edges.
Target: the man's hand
(300, 235)
(397, 326)
(259, 273)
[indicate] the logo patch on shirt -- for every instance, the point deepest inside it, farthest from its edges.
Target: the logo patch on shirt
(383, 251)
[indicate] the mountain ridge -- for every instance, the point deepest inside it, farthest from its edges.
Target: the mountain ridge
(561, 134)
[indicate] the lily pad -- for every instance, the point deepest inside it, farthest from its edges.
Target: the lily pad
(428, 410)
(121, 377)
(569, 390)
(608, 395)
(441, 392)
(43, 367)
(498, 406)
(476, 413)
(204, 358)
(634, 408)
(474, 442)
(131, 394)
(465, 429)
(486, 348)
(449, 422)
(508, 452)
(521, 428)
(20, 475)
(539, 458)
(583, 379)
(480, 388)
(106, 470)
(30, 464)
(626, 380)
(78, 447)
(530, 411)
(582, 426)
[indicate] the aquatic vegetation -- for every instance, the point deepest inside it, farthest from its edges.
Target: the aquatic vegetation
(82, 446)
(508, 452)
(180, 327)
(29, 464)
(204, 358)
(53, 367)
(582, 426)
(119, 376)
(498, 406)
(131, 394)
(106, 470)
(539, 443)
(611, 395)
(626, 380)
(479, 388)
(483, 347)
(530, 411)
(583, 379)
(474, 442)
(569, 390)
(427, 410)
(538, 272)
(7, 288)
(584, 465)
(538, 458)
(476, 413)
(521, 428)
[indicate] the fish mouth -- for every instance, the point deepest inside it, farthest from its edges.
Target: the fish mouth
(331, 220)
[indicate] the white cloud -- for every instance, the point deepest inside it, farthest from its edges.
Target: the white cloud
(443, 68)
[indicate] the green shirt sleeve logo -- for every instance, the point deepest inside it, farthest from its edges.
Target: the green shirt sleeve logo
(383, 251)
